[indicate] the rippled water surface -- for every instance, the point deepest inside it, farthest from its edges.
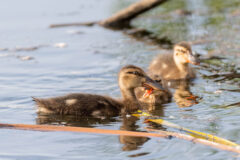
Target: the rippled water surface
(87, 59)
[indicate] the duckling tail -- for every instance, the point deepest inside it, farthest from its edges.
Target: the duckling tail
(34, 99)
(38, 101)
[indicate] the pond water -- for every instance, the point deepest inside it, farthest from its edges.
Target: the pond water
(42, 62)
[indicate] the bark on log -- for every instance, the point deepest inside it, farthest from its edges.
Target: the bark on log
(122, 19)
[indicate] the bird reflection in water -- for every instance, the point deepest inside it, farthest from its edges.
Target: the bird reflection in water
(129, 123)
(129, 142)
(71, 120)
(182, 94)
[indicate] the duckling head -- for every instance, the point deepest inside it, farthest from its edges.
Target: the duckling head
(183, 54)
(131, 77)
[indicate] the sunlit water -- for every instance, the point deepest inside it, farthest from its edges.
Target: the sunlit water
(89, 63)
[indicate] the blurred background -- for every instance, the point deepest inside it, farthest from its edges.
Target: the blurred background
(42, 62)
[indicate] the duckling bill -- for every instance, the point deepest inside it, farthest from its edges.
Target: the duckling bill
(82, 104)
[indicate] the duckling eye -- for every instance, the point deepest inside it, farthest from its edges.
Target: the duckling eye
(135, 73)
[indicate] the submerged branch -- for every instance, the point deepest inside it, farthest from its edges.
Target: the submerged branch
(121, 19)
(72, 24)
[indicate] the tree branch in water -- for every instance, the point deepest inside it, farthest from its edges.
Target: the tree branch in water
(121, 19)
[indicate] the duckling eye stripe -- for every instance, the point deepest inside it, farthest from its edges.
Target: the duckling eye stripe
(180, 50)
(136, 73)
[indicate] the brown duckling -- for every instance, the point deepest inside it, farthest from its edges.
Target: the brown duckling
(81, 104)
(149, 98)
(174, 66)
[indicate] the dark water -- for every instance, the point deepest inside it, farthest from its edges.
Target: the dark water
(89, 63)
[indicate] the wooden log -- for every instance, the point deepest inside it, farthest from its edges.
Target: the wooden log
(122, 19)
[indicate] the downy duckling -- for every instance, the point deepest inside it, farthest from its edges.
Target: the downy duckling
(81, 104)
(174, 66)
(150, 98)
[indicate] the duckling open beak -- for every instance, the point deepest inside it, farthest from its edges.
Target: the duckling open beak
(193, 59)
(151, 85)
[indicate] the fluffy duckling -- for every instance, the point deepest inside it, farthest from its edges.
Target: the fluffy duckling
(81, 104)
(149, 98)
(174, 66)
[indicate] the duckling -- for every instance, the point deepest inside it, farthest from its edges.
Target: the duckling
(81, 104)
(156, 98)
(174, 66)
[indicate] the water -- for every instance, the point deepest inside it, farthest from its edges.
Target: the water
(90, 62)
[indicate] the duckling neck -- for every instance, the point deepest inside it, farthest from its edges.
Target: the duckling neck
(183, 67)
(130, 101)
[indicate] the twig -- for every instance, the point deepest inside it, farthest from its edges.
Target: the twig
(191, 132)
(80, 129)
(72, 24)
(234, 104)
(226, 76)
(231, 90)
(197, 140)
(160, 133)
